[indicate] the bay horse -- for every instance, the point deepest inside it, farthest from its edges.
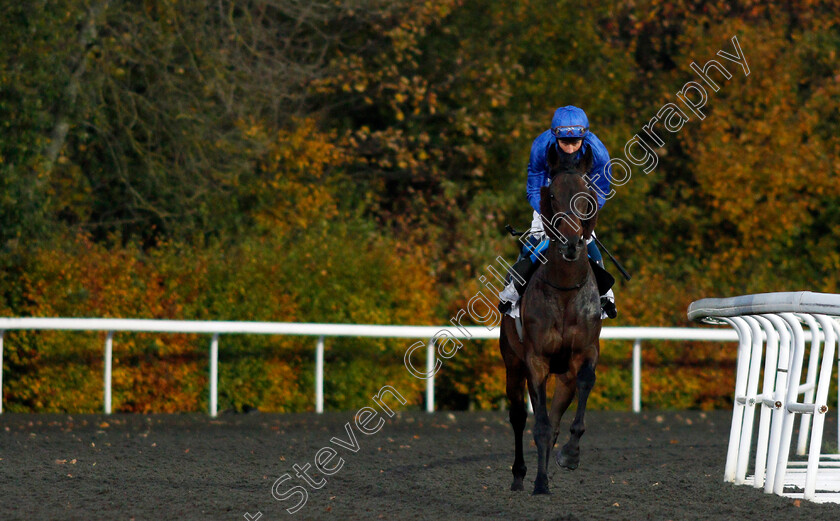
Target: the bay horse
(561, 324)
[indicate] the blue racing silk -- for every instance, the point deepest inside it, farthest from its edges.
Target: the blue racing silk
(538, 168)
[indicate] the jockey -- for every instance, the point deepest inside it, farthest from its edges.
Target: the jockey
(570, 133)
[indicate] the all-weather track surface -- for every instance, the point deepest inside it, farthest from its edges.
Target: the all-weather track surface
(653, 465)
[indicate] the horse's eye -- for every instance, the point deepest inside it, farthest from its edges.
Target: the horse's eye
(551, 196)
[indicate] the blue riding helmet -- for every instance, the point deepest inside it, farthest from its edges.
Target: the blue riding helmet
(569, 122)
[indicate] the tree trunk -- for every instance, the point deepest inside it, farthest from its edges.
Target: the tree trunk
(87, 36)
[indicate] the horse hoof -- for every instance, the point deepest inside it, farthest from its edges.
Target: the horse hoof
(517, 485)
(541, 487)
(567, 461)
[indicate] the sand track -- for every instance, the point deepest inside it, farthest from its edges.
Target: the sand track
(655, 465)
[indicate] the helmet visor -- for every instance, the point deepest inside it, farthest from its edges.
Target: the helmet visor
(569, 132)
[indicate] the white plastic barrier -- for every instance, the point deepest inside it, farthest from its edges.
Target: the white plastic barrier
(216, 328)
(773, 329)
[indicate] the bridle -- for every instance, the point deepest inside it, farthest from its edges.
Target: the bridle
(553, 238)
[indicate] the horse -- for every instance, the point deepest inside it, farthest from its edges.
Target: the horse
(561, 324)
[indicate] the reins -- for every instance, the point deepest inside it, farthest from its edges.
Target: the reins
(552, 238)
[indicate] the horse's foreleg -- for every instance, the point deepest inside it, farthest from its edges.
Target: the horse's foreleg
(537, 375)
(569, 456)
(564, 393)
(518, 416)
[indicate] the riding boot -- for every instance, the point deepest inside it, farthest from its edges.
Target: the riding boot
(521, 271)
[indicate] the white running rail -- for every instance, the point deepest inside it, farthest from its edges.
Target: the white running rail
(216, 328)
(772, 327)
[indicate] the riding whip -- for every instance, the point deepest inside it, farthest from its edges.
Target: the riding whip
(618, 265)
(610, 255)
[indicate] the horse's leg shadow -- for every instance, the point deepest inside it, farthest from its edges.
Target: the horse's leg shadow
(569, 455)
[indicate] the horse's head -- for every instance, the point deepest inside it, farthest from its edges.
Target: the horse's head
(568, 206)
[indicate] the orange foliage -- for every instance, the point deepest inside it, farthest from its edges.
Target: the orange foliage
(295, 168)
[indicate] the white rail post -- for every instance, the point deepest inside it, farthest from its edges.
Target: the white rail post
(779, 396)
(771, 354)
(319, 375)
(637, 375)
(836, 330)
(214, 375)
(1, 370)
(749, 397)
(430, 382)
(823, 382)
(810, 381)
(741, 373)
(794, 377)
(109, 346)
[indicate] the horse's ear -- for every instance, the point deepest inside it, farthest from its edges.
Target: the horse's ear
(586, 161)
(545, 204)
(589, 224)
(553, 158)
